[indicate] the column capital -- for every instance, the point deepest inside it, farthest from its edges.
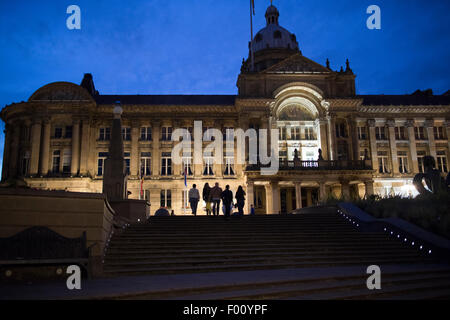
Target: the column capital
(371, 123)
(390, 123)
(36, 121)
(76, 120)
(429, 123)
(447, 123)
(409, 123)
(156, 123)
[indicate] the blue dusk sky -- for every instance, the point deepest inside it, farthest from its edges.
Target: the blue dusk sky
(196, 46)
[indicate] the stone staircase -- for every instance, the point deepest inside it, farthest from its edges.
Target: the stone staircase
(318, 239)
(205, 244)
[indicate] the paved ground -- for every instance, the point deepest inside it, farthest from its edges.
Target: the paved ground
(133, 286)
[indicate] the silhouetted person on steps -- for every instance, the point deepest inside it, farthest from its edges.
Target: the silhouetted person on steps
(194, 197)
(240, 199)
(206, 197)
(215, 195)
(227, 198)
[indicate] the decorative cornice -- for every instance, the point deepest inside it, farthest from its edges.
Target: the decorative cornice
(404, 109)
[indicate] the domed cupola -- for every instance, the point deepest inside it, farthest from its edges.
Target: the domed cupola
(273, 36)
(271, 44)
(272, 15)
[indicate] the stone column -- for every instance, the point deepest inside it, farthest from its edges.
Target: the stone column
(332, 138)
(322, 191)
(14, 149)
(45, 148)
(35, 147)
(345, 189)
(373, 143)
(298, 195)
(323, 138)
(75, 162)
(275, 197)
(85, 138)
(250, 195)
(134, 155)
(6, 151)
(156, 157)
(354, 138)
(393, 146)
(447, 126)
(369, 188)
(412, 146)
(218, 167)
(429, 124)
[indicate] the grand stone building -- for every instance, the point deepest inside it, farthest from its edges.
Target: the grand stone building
(59, 138)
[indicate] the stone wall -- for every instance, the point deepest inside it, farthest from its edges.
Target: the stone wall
(67, 213)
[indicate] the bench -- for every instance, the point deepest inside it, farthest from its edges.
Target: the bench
(43, 246)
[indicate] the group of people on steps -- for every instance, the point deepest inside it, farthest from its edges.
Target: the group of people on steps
(213, 196)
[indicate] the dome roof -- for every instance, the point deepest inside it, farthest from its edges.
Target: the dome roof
(273, 36)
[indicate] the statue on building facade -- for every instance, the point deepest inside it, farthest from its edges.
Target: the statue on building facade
(433, 180)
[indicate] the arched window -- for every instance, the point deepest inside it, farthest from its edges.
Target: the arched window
(277, 34)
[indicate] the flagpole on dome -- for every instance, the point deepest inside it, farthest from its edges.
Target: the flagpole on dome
(252, 13)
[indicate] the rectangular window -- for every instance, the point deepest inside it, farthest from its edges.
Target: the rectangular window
(420, 156)
(362, 133)
(438, 133)
(104, 134)
(166, 164)
(341, 131)
(402, 162)
(187, 165)
(309, 133)
(295, 133)
(380, 133)
(166, 133)
(419, 133)
(229, 168)
(166, 198)
(382, 162)
(441, 161)
(400, 133)
(56, 161)
(101, 162)
(282, 133)
(26, 163)
(68, 132)
(67, 160)
(208, 167)
(228, 133)
(58, 133)
(146, 162)
(126, 133)
(146, 133)
(127, 159)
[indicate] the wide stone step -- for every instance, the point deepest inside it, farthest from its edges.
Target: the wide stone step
(250, 237)
(353, 242)
(176, 259)
(421, 288)
(213, 233)
(338, 287)
(254, 250)
(242, 267)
